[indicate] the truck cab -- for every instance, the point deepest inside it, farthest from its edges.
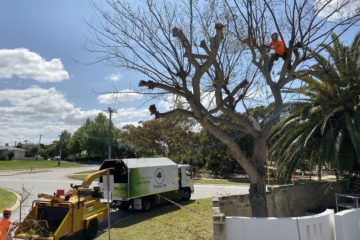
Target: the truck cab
(186, 175)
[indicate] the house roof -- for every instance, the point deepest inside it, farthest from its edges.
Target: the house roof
(8, 148)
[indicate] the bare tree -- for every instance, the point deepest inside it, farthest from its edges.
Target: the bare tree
(209, 55)
(24, 195)
(304, 26)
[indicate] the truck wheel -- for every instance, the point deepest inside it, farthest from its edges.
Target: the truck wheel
(186, 194)
(146, 204)
(114, 204)
(124, 206)
(91, 231)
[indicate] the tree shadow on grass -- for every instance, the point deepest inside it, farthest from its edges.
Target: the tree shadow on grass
(138, 216)
(195, 230)
(238, 180)
(123, 219)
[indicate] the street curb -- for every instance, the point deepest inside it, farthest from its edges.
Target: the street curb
(17, 203)
(19, 172)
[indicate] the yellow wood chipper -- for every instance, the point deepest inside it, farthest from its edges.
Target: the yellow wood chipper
(64, 214)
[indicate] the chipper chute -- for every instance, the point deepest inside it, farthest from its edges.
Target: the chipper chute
(62, 215)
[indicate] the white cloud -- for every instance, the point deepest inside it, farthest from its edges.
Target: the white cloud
(125, 95)
(132, 116)
(22, 63)
(34, 111)
(347, 8)
(208, 100)
(166, 104)
(115, 77)
(170, 102)
(134, 123)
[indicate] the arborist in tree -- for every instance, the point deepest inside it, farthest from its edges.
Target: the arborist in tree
(279, 50)
(6, 226)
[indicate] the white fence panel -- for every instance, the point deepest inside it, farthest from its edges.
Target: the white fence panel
(348, 224)
(242, 228)
(315, 227)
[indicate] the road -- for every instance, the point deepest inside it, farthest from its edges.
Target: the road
(39, 181)
(49, 180)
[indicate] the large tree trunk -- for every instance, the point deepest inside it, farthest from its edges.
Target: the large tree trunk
(255, 168)
(257, 194)
(257, 183)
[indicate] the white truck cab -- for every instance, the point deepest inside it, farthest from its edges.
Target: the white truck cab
(186, 175)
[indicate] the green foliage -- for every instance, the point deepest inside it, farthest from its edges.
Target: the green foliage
(10, 155)
(325, 127)
(50, 150)
(65, 137)
(92, 138)
(170, 137)
(216, 157)
(88, 142)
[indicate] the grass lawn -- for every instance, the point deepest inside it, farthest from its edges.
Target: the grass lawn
(34, 164)
(167, 222)
(7, 199)
(81, 175)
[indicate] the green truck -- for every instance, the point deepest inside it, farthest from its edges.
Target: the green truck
(144, 182)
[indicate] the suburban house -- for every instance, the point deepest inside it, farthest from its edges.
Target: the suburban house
(7, 152)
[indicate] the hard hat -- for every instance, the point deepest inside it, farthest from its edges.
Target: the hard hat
(274, 33)
(7, 211)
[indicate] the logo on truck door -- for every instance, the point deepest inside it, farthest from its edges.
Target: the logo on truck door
(159, 176)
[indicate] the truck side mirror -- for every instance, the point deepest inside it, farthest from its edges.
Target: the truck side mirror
(190, 172)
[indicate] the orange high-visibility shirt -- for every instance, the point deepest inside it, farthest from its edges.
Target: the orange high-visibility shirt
(278, 46)
(4, 229)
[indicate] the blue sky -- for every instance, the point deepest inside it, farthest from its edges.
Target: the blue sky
(46, 85)
(61, 91)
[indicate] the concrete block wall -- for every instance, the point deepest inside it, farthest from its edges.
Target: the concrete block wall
(219, 221)
(297, 200)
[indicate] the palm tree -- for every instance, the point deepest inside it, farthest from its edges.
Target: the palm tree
(324, 127)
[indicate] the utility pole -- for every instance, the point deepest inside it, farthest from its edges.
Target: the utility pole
(61, 146)
(38, 149)
(110, 111)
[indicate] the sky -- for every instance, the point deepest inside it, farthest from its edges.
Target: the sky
(46, 82)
